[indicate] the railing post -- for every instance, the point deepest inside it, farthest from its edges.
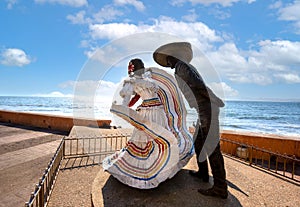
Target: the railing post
(41, 194)
(32, 194)
(262, 159)
(64, 147)
(269, 165)
(293, 167)
(276, 164)
(251, 154)
(284, 164)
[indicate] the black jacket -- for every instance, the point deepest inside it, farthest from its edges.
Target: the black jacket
(195, 91)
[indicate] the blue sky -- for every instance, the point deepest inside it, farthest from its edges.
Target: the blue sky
(253, 45)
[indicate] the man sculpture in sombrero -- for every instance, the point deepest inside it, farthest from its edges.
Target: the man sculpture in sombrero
(177, 55)
(160, 144)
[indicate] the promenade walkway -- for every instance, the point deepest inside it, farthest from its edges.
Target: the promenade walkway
(248, 187)
(24, 154)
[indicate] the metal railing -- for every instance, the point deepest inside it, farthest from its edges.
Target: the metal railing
(71, 153)
(85, 151)
(43, 189)
(283, 165)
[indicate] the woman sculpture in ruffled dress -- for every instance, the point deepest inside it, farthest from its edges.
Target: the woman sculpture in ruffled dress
(160, 144)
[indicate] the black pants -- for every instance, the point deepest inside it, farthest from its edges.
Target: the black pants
(208, 128)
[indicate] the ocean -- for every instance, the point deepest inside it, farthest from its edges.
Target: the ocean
(280, 118)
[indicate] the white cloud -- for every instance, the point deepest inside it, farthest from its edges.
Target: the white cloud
(79, 18)
(137, 4)
(278, 55)
(85, 43)
(112, 30)
(288, 77)
(276, 5)
(10, 3)
(101, 56)
(14, 57)
(106, 13)
(89, 87)
(191, 17)
(219, 13)
(289, 12)
(53, 94)
(222, 89)
(225, 3)
(197, 32)
(251, 77)
(73, 3)
(257, 66)
(228, 58)
(106, 88)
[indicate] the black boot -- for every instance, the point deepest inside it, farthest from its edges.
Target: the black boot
(215, 192)
(218, 170)
(202, 173)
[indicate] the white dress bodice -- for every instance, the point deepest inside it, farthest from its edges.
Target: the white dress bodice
(144, 86)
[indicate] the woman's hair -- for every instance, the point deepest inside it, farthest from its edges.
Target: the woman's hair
(137, 67)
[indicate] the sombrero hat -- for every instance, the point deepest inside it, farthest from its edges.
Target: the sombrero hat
(180, 50)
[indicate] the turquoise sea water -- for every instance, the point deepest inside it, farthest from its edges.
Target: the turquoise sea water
(282, 118)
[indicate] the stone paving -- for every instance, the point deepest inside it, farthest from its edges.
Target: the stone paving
(248, 186)
(24, 154)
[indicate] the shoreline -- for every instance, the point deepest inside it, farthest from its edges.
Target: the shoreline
(285, 145)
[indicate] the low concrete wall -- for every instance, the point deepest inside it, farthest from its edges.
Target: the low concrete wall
(278, 144)
(274, 143)
(60, 123)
